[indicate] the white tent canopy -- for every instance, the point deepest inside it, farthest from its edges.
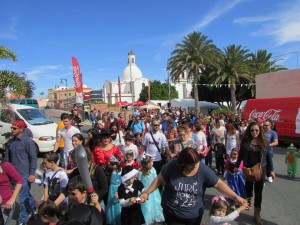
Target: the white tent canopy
(163, 103)
(189, 105)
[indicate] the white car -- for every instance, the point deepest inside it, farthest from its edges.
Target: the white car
(41, 126)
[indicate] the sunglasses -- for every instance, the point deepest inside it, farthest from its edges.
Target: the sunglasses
(14, 128)
(266, 125)
(156, 125)
(256, 130)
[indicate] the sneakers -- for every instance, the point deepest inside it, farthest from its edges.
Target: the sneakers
(270, 179)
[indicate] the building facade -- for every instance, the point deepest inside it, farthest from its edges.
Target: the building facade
(63, 97)
(133, 81)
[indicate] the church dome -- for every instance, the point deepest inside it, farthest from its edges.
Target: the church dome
(131, 72)
(135, 73)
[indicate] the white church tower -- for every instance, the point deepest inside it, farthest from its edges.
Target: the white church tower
(132, 82)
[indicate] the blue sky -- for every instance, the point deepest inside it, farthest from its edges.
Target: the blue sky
(45, 34)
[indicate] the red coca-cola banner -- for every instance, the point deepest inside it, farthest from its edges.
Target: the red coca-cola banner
(77, 81)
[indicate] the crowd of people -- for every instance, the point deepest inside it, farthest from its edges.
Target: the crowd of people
(152, 168)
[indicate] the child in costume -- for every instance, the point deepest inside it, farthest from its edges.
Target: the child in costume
(129, 160)
(291, 160)
(235, 178)
(129, 192)
(113, 211)
(151, 209)
(219, 211)
(220, 152)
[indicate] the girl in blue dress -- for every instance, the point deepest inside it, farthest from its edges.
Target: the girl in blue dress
(151, 209)
(114, 208)
(235, 179)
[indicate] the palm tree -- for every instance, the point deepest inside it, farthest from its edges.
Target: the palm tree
(193, 55)
(42, 94)
(10, 79)
(261, 62)
(233, 67)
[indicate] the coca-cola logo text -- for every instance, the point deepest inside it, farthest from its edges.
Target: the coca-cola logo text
(273, 114)
(77, 79)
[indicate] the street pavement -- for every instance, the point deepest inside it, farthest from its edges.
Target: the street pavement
(281, 199)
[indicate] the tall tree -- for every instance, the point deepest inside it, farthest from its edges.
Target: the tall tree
(158, 91)
(10, 79)
(193, 55)
(262, 62)
(233, 67)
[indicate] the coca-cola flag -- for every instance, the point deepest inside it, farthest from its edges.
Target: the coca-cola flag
(77, 81)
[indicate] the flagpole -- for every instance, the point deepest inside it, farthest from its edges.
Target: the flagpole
(131, 81)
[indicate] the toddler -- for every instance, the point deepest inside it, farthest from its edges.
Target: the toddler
(219, 211)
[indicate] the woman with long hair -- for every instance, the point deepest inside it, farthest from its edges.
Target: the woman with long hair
(253, 151)
(105, 149)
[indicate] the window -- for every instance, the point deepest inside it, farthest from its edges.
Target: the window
(143, 85)
(22, 102)
(29, 101)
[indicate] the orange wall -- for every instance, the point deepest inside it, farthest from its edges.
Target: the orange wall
(278, 84)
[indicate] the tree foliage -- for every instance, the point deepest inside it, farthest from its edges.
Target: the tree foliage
(16, 83)
(233, 67)
(193, 55)
(158, 91)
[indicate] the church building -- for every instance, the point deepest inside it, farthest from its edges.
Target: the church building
(132, 83)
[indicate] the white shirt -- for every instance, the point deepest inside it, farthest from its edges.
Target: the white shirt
(150, 147)
(219, 132)
(67, 135)
(202, 138)
(119, 141)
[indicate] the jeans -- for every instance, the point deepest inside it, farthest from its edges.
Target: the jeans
(27, 203)
(7, 214)
(268, 169)
(60, 151)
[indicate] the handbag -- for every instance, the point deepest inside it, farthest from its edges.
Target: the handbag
(162, 153)
(253, 173)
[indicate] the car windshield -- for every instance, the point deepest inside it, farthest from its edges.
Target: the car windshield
(34, 116)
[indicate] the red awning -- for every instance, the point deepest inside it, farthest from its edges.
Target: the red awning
(121, 103)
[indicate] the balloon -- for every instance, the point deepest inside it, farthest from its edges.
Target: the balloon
(82, 164)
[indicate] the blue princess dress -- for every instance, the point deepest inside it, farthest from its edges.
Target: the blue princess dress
(113, 209)
(151, 209)
(235, 181)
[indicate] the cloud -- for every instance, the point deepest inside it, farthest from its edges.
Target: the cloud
(258, 19)
(10, 32)
(218, 10)
(37, 72)
(283, 25)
